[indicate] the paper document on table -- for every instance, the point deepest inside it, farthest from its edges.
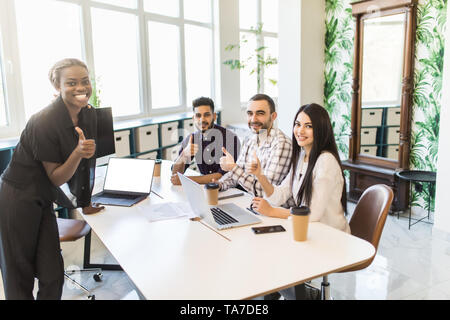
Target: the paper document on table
(166, 210)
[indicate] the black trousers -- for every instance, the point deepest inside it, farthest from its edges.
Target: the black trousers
(29, 245)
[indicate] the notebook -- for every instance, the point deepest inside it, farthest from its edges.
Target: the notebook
(127, 182)
(220, 217)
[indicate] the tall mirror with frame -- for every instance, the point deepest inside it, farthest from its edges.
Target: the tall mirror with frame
(382, 95)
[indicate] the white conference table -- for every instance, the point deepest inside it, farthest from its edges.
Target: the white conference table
(185, 259)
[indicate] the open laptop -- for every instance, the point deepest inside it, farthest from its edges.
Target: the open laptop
(222, 216)
(127, 182)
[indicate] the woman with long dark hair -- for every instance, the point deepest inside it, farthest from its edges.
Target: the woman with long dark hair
(316, 178)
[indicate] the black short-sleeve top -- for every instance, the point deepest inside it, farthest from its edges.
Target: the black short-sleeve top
(50, 136)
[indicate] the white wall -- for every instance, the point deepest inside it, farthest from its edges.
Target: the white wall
(301, 57)
(442, 210)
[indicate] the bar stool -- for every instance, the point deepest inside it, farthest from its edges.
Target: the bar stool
(72, 230)
(413, 177)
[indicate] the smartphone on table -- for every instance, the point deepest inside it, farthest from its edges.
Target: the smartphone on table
(268, 229)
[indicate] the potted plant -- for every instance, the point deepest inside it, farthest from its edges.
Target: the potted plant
(262, 61)
(95, 97)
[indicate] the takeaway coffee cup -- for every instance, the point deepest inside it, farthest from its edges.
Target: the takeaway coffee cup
(300, 220)
(212, 193)
(157, 169)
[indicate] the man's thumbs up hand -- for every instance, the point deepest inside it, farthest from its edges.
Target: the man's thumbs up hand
(227, 161)
(191, 149)
(254, 167)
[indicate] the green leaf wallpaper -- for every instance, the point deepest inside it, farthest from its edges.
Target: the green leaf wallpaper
(431, 23)
(339, 33)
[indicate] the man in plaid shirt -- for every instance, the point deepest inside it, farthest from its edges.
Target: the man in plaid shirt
(272, 147)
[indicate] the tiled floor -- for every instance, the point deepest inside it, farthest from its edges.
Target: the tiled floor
(410, 264)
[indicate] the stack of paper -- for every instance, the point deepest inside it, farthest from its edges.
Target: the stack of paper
(166, 210)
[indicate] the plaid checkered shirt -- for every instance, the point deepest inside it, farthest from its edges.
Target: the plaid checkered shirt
(274, 151)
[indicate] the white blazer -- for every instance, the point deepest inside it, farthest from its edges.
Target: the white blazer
(326, 195)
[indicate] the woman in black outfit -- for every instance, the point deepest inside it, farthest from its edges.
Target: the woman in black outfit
(56, 146)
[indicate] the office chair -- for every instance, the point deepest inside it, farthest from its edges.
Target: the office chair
(71, 230)
(367, 223)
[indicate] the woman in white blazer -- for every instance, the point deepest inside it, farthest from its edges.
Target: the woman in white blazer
(316, 178)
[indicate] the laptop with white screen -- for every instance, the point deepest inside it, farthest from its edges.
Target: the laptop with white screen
(220, 217)
(127, 182)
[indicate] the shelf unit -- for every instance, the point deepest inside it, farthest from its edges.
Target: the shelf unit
(7, 145)
(389, 119)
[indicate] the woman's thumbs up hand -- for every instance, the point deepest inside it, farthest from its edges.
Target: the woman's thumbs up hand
(85, 147)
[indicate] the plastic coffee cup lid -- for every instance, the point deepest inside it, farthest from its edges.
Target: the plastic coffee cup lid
(300, 211)
(211, 185)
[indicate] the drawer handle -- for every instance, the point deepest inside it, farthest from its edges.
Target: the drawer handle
(366, 150)
(148, 133)
(118, 138)
(397, 112)
(371, 113)
(366, 132)
(169, 129)
(398, 131)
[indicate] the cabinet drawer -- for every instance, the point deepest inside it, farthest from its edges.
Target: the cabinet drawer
(392, 152)
(393, 135)
(371, 117)
(368, 136)
(169, 133)
(122, 143)
(150, 155)
(188, 127)
(171, 153)
(371, 151)
(146, 138)
(393, 117)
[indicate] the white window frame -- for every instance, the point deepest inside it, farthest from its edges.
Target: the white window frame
(259, 43)
(11, 60)
(12, 84)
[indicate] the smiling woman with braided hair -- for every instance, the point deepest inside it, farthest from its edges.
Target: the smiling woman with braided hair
(56, 146)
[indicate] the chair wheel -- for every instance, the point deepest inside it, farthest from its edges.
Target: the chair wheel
(98, 277)
(91, 297)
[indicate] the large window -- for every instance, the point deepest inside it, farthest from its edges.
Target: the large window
(4, 101)
(198, 42)
(197, 10)
(167, 7)
(146, 57)
(41, 44)
(198, 61)
(115, 43)
(262, 16)
(121, 3)
(164, 41)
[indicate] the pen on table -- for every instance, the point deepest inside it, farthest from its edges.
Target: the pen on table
(231, 196)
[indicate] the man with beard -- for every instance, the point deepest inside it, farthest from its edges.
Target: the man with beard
(269, 144)
(205, 145)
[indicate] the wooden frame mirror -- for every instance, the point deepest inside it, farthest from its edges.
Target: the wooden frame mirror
(383, 77)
